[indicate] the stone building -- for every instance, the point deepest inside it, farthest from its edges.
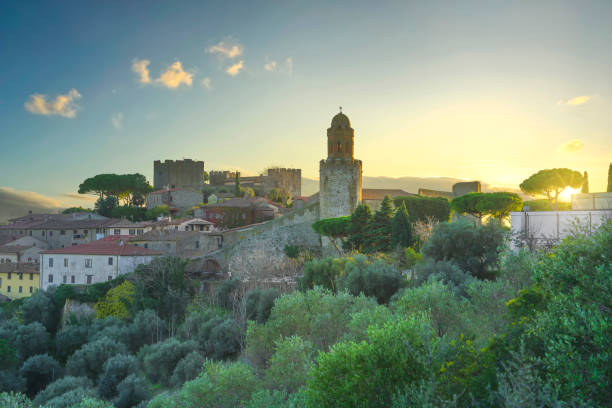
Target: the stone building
(287, 179)
(184, 174)
(339, 174)
(176, 199)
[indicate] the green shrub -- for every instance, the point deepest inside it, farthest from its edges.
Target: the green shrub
(132, 391)
(259, 303)
(159, 360)
(187, 369)
(68, 340)
(475, 249)
(421, 208)
(322, 272)
(39, 371)
(116, 369)
(40, 308)
(89, 360)
(445, 271)
(221, 385)
(290, 364)
(14, 400)
(376, 279)
(60, 387)
(370, 373)
(31, 339)
(225, 340)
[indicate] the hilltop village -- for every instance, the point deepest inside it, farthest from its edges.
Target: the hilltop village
(210, 289)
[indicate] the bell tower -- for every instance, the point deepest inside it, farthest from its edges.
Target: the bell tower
(340, 173)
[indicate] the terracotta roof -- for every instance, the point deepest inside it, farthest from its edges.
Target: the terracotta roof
(164, 235)
(129, 224)
(59, 224)
(104, 248)
(22, 267)
(14, 249)
(380, 193)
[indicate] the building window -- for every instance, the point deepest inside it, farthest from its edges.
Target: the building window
(65, 262)
(21, 276)
(64, 278)
(50, 262)
(85, 232)
(88, 262)
(89, 279)
(21, 289)
(43, 233)
(110, 260)
(132, 232)
(9, 276)
(117, 232)
(50, 233)
(8, 288)
(30, 289)
(74, 231)
(50, 278)
(31, 276)
(72, 279)
(97, 230)
(146, 245)
(197, 244)
(30, 232)
(62, 232)
(110, 278)
(139, 232)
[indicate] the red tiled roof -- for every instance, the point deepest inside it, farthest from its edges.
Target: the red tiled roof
(14, 249)
(104, 248)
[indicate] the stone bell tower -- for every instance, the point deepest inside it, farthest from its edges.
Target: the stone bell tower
(340, 173)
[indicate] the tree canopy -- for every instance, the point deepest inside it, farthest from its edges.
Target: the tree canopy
(333, 228)
(551, 182)
(498, 205)
(131, 188)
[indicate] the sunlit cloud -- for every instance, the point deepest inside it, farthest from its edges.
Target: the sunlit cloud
(235, 69)
(117, 120)
(270, 66)
(205, 82)
(175, 76)
(571, 146)
(141, 67)
(226, 49)
(576, 101)
(274, 66)
(62, 105)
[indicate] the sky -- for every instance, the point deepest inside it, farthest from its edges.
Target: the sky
(476, 90)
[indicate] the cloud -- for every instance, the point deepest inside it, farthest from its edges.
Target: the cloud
(235, 69)
(226, 49)
(175, 76)
(117, 120)
(62, 105)
(205, 82)
(141, 68)
(576, 101)
(571, 146)
(286, 68)
(81, 197)
(270, 66)
(15, 203)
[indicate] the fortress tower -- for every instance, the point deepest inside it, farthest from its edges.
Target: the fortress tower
(340, 173)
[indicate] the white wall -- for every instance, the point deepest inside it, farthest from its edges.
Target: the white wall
(543, 227)
(100, 269)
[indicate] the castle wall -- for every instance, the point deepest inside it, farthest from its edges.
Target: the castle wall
(287, 179)
(339, 187)
(181, 174)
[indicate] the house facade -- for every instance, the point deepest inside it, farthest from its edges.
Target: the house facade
(19, 280)
(91, 263)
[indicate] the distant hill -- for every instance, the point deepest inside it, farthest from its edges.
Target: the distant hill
(409, 184)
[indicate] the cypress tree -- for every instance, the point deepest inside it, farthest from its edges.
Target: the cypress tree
(380, 236)
(401, 229)
(359, 228)
(237, 185)
(585, 183)
(610, 179)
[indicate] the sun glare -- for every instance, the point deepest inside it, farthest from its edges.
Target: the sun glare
(566, 195)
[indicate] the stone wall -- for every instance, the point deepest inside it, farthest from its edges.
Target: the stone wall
(466, 187)
(181, 174)
(339, 187)
(287, 179)
(244, 247)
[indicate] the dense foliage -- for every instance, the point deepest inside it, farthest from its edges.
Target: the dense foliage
(551, 182)
(475, 325)
(422, 208)
(497, 205)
